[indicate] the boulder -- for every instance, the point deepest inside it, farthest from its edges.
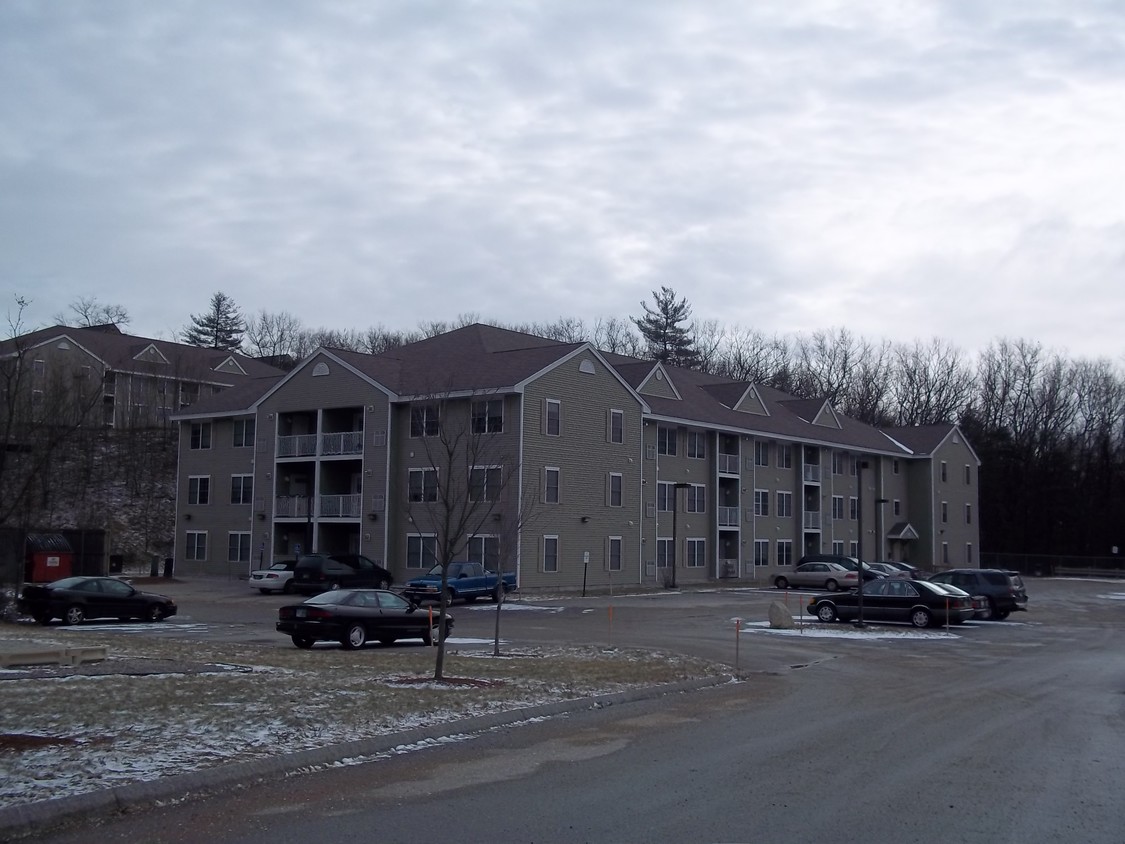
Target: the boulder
(780, 616)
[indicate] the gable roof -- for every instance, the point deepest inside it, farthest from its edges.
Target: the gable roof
(925, 440)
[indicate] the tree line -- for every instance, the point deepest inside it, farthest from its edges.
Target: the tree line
(1049, 429)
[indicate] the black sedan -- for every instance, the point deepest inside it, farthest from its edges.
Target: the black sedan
(353, 616)
(890, 599)
(75, 599)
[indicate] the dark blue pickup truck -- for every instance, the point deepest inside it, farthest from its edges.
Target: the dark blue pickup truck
(467, 582)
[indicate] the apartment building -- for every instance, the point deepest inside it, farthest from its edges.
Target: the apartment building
(578, 467)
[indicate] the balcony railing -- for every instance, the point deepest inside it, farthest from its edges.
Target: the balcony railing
(812, 520)
(344, 442)
(339, 506)
(291, 506)
(728, 516)
(728, 464)
(301, 445)
(811, 473)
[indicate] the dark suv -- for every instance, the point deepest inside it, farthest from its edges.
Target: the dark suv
(850, 563)
(1003, 589)
(319, 572)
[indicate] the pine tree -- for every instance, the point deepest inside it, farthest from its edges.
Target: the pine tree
(668, 341)
(220, 328)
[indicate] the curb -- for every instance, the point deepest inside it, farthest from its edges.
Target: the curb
(35, 818)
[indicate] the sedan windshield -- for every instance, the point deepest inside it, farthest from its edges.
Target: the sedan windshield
(335, 596)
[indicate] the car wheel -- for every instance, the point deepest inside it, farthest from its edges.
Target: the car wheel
(74, 614)
(355, 637)
(1003, 614)
(450, 597)
(384, 584)
(386, 640)
(287, 588)
(333, 586)
(496, 594)
(993, 610)
(921, 617)
(41, 618)
(826, 613)
(154, 613)
(831, 585)
(264, 591)
(303, 642)
(781, 582)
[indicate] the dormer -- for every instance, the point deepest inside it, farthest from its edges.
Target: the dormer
(151, 354)
(657, 383)
(231, 365)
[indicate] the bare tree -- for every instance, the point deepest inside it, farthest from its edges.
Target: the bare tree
(463, 486)
(87, 311)
(617, 336)
(272, 335)
(709, 338)
(929, 383)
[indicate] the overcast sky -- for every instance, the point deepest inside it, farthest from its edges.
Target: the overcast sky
(905, 169)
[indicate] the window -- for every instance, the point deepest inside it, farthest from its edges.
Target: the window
(488, 416)
(550, 553)
(696, 444)
(484, 483)
(243, 433)
(199, 489)
(785, 457)
(968, 514)
(853, 466)
(421, 550)
(613, 490)
(551, 485)
(552, 418)
(785, 504)
(838, 458)
(761, 502)
(200, 435)
(665, 496)
(241, 489)
(969, 553)
(196, 546)
(761, 453)
(484, 550)
(422, 485)
(897, 507)
(853, 548)
(696, 553)
(663, 553)
(424, 420)
(613, 553)
(238, 547)
(944, 512)
(761, 552)
(944, 472)
(616, 430)
(894, 466)
(785, 552)
(666, 440)
(838, 547)
(837, 508)
(853, 508)
(945, 553)
(968, 475)
(696, 499)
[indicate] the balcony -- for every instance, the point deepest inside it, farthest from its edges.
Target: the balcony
(302, 445)
(728, 516)
(812, 520)
(811, 473)
(344, 442)
(291, 507)
(339, 506)
(728, 464)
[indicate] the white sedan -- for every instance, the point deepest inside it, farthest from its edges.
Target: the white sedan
(277, 578)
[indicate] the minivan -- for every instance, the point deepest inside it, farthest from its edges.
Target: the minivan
(321, 572)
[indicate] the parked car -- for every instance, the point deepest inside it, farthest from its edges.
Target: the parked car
(353, 616)
(1004, 590)
(75, 599)
(916, 602)
(850, 563)
(320, 572)
(465, 581)
(890, 570)
(830, 576)
(913, 571)
(277, 578)
(980, 602)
